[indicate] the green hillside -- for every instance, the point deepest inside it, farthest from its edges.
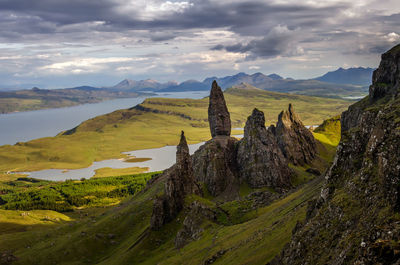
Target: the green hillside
(154, 123)
(106, 220)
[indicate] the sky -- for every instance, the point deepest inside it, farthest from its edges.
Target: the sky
(66, 43)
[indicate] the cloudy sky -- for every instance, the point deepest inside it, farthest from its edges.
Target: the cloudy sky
(62, 43)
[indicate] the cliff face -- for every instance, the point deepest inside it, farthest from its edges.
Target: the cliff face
(356, 220)
(386, 79)
(260, 160)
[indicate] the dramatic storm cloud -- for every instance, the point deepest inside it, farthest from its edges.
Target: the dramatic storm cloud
(72, 42)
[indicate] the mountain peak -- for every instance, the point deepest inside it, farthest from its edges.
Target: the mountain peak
(355, 76)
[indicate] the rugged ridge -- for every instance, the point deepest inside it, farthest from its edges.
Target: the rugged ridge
(357, 216)
(296, 141)
(260, 160)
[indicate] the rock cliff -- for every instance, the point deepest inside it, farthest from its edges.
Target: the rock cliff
(296, 141)
(356, 220)
(260, 160)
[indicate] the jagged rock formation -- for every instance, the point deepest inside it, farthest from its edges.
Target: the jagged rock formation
(296, 141)
(223, 163)
(218, 114)
(179, 183)
(260, 160)
(356, 219)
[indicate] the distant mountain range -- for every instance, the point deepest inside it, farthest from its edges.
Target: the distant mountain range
(143, 85)
(354, 76)
(350, 82)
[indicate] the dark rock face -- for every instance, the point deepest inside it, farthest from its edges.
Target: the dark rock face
(179, 183)
(260, 160)
(214, 164)
(355, 217)
(296, 141)
(218, 115)
(386, 79)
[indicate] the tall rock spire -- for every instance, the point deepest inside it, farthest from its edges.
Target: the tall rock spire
(218, 115)
(179, 183)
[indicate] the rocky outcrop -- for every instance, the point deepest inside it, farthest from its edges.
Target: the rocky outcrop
(260, 160)
(218, 114)
(192, 228)
(296, 141)
(179, 183)
(386, 79)
(356, 217)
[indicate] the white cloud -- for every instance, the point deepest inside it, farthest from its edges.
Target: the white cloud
(392, 37)
(86, 65)
(153, 8)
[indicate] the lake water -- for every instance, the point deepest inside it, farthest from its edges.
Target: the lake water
(25, 126)
(162, 158)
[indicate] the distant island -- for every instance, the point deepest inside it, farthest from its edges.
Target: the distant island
(36, 98)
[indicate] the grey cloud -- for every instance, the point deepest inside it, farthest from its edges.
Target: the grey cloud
(278, 41)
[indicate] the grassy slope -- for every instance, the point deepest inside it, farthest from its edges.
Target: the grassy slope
(114, 236)
(108, 135)
(120, 235)
(329, 131)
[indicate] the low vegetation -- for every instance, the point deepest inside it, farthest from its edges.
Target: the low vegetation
(33, 194)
